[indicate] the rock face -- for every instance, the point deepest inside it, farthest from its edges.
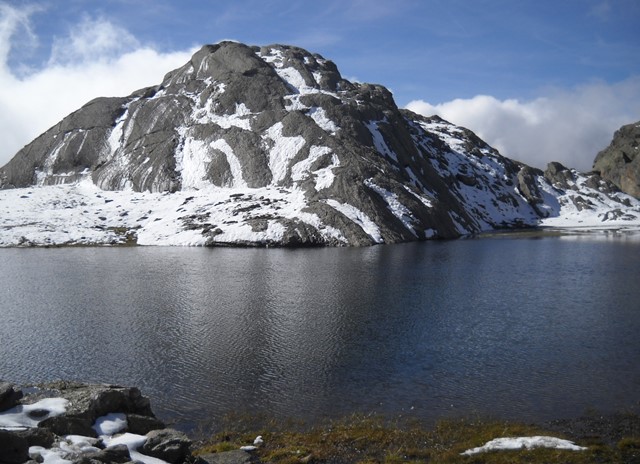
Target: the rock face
(271, 146)
(620, 161)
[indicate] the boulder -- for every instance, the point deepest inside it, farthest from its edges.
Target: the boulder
(69, 425)
(227, 457)
(141, 425)
(9, 396)
(15, 449)
(559, 176)
(118, 454)
(167, 444)
(88, 402)
(37, 437)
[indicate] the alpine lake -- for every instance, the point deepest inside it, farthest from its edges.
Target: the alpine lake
(525, 326)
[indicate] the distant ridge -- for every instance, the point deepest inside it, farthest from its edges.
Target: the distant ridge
(261, 146)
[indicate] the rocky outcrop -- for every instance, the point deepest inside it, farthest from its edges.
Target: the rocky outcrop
(620, 161)
(9, 396)
(166, 444)
(268, 146)
(66, 421)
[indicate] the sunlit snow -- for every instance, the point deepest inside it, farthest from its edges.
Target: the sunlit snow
(360, 218)
(284, 149)
(320, 117)
(395, 206)
(29, 415)
(516, 443)
(379, 142)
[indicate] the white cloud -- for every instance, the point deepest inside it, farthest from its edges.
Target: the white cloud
(95, 59)
(565, 126)
(92, 40)
(14, 23)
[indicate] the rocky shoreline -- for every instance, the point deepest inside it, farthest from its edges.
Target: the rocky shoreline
(66, 422)
(73, 423)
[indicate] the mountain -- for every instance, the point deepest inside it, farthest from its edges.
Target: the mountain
(271, 146)
(620, 162)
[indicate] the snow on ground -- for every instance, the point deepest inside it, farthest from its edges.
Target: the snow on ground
(110, 424)
(517, 443)
(587, 208)
(29, 415)
(82, 214)
(73, 447)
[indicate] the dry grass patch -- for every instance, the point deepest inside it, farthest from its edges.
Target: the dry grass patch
(372, 440)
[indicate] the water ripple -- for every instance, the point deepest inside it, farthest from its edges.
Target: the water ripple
(500, 327)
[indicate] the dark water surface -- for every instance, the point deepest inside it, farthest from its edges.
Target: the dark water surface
(528, 329)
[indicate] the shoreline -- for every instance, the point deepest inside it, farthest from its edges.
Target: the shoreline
(122, 417)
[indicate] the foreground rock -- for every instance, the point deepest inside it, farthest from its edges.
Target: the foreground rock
(267, 146)
(86, 424)
(620, 161)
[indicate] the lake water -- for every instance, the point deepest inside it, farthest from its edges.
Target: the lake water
(515, 328)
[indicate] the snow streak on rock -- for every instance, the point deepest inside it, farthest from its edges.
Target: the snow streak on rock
(358, 217)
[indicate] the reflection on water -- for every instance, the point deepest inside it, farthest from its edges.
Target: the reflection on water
(522, 328)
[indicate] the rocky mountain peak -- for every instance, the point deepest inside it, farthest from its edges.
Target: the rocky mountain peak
(270, 145)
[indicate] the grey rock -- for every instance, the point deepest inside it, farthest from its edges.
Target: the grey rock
(141, 425)
(228, 457)
(37, 436)
(560, 176)
(15, 449)
(620, 161)
(118, 454)
(94, 400)
(167, 444)
(87, 403)
(528, 186)
(9, 396)
(68, 425)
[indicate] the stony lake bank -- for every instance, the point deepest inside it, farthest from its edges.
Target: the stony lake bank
(66, 422)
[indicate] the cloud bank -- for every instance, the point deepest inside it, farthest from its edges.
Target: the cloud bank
(565, 126)
(96, 58)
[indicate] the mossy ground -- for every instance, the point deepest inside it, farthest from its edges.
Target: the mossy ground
(368, 440)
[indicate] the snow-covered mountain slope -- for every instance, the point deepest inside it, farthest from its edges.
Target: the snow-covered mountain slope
(271, 146)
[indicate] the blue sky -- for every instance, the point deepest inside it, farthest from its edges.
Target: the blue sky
(540, 80)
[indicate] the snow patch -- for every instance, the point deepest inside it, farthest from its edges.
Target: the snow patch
(379, 142)
(30, 415)
(282, 152)
(517, 443)
(110, 424)
(399, 210)
(321, 119)
(359, 217)
(324, 176)
(192, 160)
